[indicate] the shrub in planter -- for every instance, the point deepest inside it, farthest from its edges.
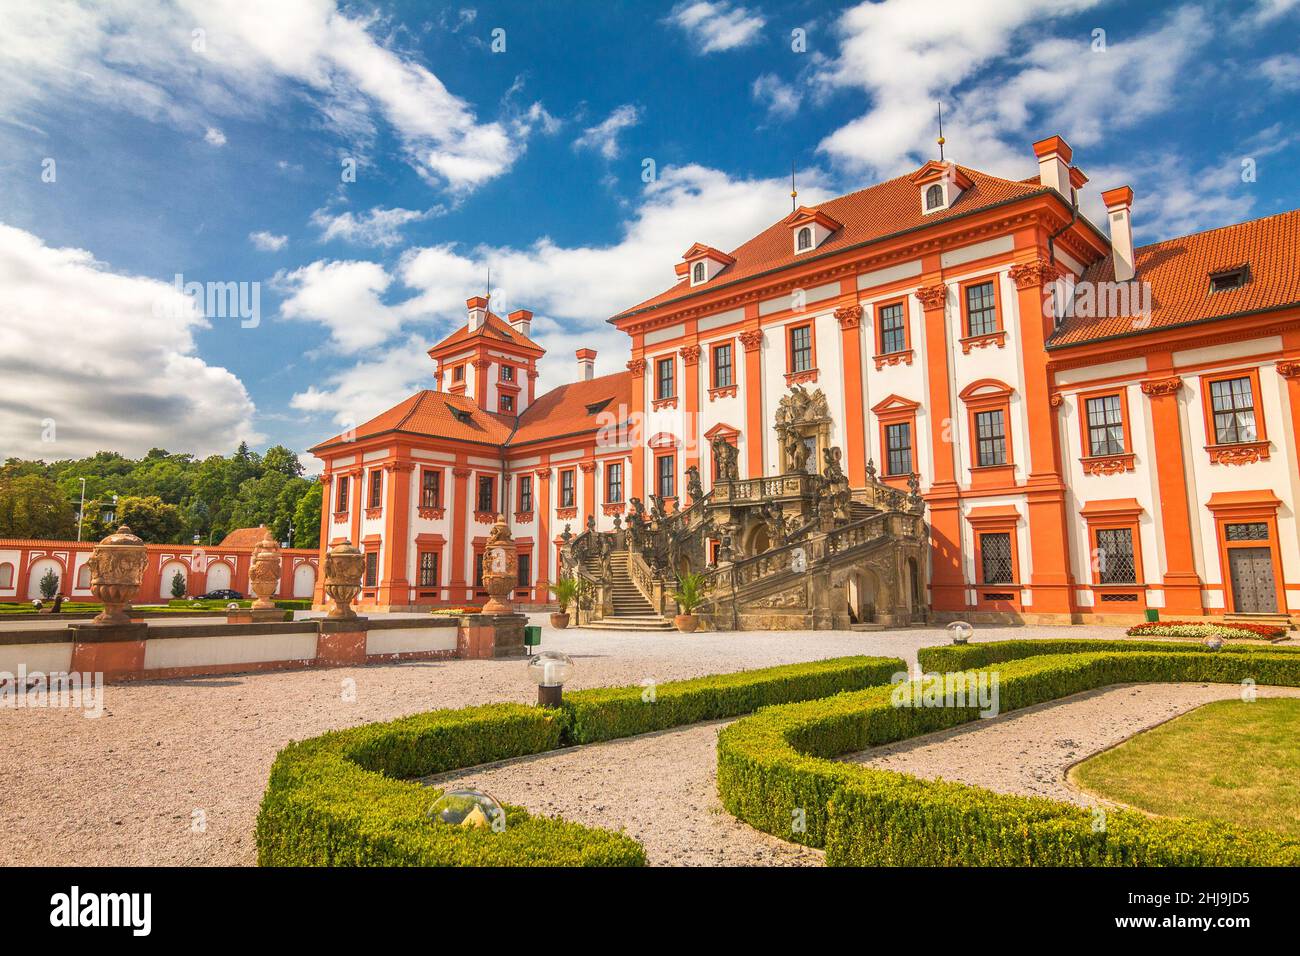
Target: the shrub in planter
(566, 594)
(689, 595)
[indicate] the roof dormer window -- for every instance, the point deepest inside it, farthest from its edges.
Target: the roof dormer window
(810, 228)
(1229, 279)
(804, 241)
(934, 197)
(701, 263)
(698, 274)
(940, 184)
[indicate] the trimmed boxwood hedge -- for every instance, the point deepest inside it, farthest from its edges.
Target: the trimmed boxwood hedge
(607, 713)
(346, 798)
(959, 657)
(775, 770)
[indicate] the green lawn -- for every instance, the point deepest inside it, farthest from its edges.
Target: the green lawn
(1229, 760)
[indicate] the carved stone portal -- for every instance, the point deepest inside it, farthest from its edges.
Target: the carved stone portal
(803, 429)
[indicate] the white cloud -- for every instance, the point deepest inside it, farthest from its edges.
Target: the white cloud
(683, 205)
(214, 137)
(109, 359)
(189, 61)
(1282, 71)
(781, 98)
(715, 27)
(342, 296)
(379, 227)
(603, 137)
(267, 241)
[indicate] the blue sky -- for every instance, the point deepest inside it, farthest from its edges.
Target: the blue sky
(139, 141)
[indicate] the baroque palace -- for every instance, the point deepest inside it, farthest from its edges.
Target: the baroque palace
(946, 395)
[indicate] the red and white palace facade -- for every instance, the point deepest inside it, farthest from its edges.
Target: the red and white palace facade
(1098, 429)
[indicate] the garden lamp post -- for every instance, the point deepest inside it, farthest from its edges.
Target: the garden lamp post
(550, 671)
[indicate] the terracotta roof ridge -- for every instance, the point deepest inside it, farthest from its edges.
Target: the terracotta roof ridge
(1214, 229)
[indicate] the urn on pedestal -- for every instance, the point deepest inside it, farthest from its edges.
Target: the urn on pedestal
(116, 571)
(264, 572)
(500, 568)
(344, 566)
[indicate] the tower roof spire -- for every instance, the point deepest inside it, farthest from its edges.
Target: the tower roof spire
(941, 140)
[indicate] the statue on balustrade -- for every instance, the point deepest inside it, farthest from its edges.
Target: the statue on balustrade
(694, 489)
(725, 457)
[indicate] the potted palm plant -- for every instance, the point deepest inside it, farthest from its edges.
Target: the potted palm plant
(689, 596)
(566, 593)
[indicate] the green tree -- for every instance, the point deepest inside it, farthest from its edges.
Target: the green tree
(32, 506)
(151, 519)
(306, 517)
(49, 584)
(178, 585)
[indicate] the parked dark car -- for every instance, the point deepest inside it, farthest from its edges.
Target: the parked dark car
(225, 594)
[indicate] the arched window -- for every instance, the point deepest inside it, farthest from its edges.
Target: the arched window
(6, 575)
(698, 274)
(934, 197)
(805, 239)
(83, 577)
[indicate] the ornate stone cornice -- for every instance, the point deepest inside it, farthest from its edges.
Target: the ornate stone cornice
(932, 296)
(751, 339)
(462, 472)
(1288, 369)
(690, 354)
(849, 316)
(543, 473)
(480, 363)
(587, 467)
(636, 367)
(399, 466)
(1158, 387)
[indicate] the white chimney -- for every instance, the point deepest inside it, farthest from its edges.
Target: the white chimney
(478, 308)
(586, 364)
(1119, 213)
(521, 320)
(1054, 156)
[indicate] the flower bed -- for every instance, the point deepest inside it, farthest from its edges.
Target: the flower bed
(776, 773)
(1225, 629)
(347, 799)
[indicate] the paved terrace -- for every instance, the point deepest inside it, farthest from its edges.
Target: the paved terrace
(123, 788)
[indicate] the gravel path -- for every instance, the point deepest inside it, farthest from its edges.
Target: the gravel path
(659, 788)
(124, 788)
(1029, 751)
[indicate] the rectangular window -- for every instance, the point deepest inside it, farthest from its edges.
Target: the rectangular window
(478, 571)
(614, 482)
(376, 488)
(1115, 563)
(428, 569)
(507, 373)
(995, 558)
(487, 494)
(525, 579)
(525, 493)
(341, 493)
(372, 568)
(666, 475)
(981, 309)
(568, 491)
(722, 370)
(1254, 531)
(665, 379)
(1105, 426)
(431, 488)
(458, 373)
(893, 331)
(990, 438)
(1233, 403)
(508, 403)
(898, 459)
(801, 358)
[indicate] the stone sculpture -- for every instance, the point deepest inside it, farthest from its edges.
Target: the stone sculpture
(116, 571)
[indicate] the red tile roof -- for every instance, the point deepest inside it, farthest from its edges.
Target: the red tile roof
(567, 410)
(243, 537)
(575, 408)
(435, 413)
(1179, 270)
(494, 327)
(876, 212)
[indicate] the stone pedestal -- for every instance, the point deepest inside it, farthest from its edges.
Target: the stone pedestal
(487, 636)
(342, 641)
(254, 615)
(114, 650)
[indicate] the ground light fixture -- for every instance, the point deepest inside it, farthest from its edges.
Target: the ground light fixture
(1213, 643)
(960, 632)
(468, 808)
(550, 671)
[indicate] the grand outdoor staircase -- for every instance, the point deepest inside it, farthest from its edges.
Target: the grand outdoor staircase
(630, 609)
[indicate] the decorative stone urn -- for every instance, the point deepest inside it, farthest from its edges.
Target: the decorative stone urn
(500, 568)
(344, 566)
(264, 572)
(116, 570)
